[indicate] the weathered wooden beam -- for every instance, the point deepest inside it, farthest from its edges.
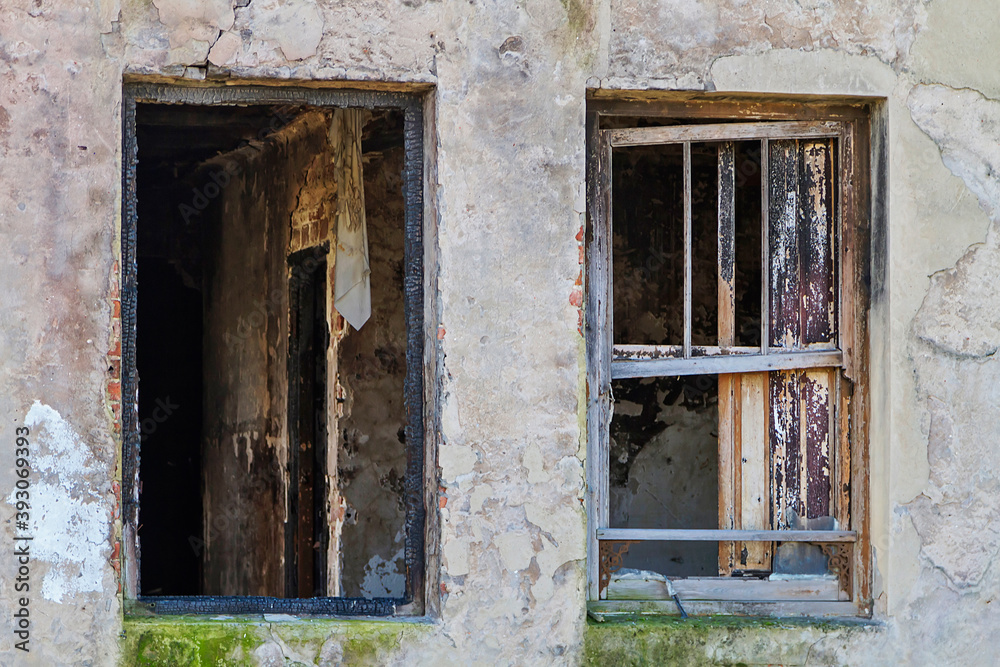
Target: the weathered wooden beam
(753, 471)
(598, 341)
(687, 249)
(638, 352)
(630, 587)
(675, 134)
(710, 365)
(714, 535)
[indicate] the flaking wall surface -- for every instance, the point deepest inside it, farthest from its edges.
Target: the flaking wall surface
(506, 199)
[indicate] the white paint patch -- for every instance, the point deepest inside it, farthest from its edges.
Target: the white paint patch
(69, 518)
(383, 579)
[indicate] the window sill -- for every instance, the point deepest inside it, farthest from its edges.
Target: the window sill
(212, 640)
(641, 639)
(604, 610)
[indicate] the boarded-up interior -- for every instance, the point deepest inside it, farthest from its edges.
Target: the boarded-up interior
(276, 466)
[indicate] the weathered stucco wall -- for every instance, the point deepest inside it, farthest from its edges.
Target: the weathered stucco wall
(507, 202)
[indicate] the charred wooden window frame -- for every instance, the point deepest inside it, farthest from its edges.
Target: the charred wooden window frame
(862, 197)
(411, 104)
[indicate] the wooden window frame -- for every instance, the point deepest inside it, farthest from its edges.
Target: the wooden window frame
(715, 117)
(418, 383)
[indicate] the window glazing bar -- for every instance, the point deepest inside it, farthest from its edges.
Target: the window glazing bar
(687, 249)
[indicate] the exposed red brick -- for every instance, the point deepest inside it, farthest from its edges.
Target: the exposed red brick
(114, 390)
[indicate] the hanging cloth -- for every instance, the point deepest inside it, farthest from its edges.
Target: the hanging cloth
(352, 293)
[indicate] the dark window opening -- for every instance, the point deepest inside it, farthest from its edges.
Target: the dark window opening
(276, 447)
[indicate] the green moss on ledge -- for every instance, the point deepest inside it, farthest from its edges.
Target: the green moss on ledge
(718, 640)
(215, 641)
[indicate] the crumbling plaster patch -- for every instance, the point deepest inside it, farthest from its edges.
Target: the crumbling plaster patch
(957, 46)
(641, 52)
(959, 333)
(71, 516)
(288, 39)
(59, 146)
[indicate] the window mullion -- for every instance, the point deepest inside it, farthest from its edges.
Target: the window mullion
(687, 249)
(728, 382)
(765, 259)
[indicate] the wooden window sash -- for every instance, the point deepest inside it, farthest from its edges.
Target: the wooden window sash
(725, 359)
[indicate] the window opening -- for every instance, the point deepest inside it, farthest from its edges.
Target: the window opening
(273, 459)
(721, 366)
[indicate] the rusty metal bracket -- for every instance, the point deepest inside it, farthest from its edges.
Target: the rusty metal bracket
(839, 559)
(611, 554)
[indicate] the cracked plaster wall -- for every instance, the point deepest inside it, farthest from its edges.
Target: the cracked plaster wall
(507, 198)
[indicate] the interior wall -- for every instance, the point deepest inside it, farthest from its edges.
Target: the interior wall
(371, 462)
(245, 377)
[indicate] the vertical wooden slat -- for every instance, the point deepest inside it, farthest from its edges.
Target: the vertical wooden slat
(727, 245)
(687, 250)
(842, 459)
(816, 442)
(817, 243)
(785, 439)
(856, 156)
(728, 401)
(728, 383)
(782, 267)
(598, 339)
(754, 505)
(765, 205)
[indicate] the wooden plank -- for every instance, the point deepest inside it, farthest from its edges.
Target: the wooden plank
(785, 442)
(857, 151)
(598, 340)
(817, 410)
(727, 245)
(715, 534)
(687, 249)
(747, 107)
(752, 469)
(842, 485)
(722, 364)
(728, 383)
(602, 609)
(638, 352)
(782, 258)
(675, 134)
(630, 587)
(818, 243)
(728, 391)
(765, 256)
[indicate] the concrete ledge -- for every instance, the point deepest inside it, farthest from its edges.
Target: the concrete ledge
(272, 639)
(722, 640)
